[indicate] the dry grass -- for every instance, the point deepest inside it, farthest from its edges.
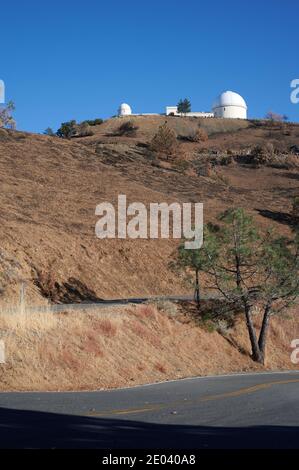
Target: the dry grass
(50, 188)
(122, 346)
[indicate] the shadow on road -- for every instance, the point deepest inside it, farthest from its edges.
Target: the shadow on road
(32, 429)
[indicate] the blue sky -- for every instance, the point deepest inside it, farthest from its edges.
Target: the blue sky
(66, 59)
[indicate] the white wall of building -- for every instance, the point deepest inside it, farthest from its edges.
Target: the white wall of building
(230, 105)
(174, 110)
(232, 112)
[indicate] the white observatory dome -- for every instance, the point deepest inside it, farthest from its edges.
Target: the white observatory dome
(124, 110)
(230, 105)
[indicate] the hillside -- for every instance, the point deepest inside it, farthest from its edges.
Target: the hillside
(50, 188)
(81, 350)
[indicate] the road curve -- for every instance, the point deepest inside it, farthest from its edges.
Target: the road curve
(237, 411)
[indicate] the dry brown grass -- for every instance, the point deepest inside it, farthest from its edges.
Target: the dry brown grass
(122, 346)
(50, 188)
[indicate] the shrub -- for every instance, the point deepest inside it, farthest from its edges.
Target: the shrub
(263, 154)
(68, 129)
(181, 165)
(164, 141)
(200, 135)
(84, 129)
(294, 149)
(71, 129)
(206, 169)
(94, 122)
(127, 128)
(226, 159)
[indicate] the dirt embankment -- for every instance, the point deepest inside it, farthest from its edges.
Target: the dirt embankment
(125, 346)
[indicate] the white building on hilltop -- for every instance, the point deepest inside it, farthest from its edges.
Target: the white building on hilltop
(230, 105)
(227, 105)
(124, 110)
(173, 111)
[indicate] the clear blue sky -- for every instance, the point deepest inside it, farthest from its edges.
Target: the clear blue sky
(67, 59)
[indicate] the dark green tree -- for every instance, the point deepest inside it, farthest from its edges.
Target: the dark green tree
(251, 271)
(68, 129)
(184, 106)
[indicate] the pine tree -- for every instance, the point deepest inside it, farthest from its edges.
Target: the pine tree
(251, 271)
(184, 106)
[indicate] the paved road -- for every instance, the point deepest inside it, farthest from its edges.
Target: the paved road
(238, 411)
(84, 305)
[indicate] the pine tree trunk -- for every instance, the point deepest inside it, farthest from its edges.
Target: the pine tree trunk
(264, 331)
(257, 354)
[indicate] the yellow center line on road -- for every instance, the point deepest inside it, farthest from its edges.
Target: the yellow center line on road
(235, 393)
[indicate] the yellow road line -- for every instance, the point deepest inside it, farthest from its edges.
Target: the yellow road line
(235, 393)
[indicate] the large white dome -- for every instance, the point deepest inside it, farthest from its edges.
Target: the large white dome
(231, 105)
(124, 110)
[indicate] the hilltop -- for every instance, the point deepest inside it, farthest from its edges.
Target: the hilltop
(50, 188)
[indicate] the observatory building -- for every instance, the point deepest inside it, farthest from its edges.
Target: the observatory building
(124, 110)
(227, 105)
(230, 105)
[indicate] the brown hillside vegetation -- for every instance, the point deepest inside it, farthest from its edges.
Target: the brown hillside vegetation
(50, 188)
(125, 346)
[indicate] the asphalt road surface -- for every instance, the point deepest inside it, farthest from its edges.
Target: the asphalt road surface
(237, 411)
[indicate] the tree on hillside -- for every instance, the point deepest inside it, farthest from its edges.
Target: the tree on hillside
(93, 122)
(68, 129)
(6, 119)
(49, 131)
(184, 106)
(164, 141)
(251, 271)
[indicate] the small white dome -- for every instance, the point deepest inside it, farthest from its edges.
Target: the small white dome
(124, 110)
(229, 98)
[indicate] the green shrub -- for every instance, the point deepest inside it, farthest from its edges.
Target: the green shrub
(94, 122)
(68, 129)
